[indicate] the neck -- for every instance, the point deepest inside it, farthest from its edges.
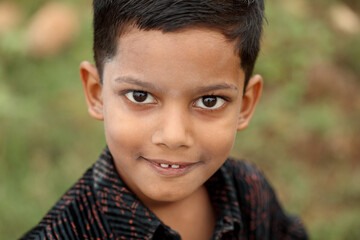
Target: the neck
(192, 217)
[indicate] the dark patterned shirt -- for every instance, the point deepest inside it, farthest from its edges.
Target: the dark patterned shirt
(100, 206)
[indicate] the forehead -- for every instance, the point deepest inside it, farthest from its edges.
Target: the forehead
(195, 54)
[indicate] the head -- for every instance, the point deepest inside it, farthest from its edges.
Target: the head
(173, 85)
(240, 21)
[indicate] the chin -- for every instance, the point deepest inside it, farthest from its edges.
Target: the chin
(166, 195)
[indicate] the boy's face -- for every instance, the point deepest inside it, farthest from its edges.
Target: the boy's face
(171, 104)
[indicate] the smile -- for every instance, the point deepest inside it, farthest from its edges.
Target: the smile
(163, 165)
(168, 168)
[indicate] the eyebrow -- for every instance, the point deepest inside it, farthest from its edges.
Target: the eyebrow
(150, 86)
(217, 87)
(134, 81)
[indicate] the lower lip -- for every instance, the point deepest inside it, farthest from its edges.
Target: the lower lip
(170, 172)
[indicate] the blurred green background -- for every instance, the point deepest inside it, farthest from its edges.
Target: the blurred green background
(304, 135)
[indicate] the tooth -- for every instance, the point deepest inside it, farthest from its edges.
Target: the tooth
(164, 165)
(175, 166)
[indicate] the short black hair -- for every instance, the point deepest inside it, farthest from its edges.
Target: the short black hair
(238, 20)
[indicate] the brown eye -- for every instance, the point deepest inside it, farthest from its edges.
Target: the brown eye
(140, 97)
(209, 101)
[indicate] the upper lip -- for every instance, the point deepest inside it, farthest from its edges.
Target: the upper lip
(161, 161)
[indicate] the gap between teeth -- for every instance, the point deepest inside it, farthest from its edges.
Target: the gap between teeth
(163, 165)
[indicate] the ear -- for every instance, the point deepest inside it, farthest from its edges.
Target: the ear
(250, 99)
(93, 90)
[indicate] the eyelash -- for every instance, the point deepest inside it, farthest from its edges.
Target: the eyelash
(223, 98)
(138, 91)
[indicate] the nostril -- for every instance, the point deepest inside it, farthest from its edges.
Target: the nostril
(173, 128)
(171, 139)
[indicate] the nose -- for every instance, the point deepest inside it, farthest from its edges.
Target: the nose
(173, 130)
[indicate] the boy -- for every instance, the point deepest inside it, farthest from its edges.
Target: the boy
(173, 84)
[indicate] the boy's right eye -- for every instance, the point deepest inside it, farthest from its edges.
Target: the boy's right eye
(141, 97)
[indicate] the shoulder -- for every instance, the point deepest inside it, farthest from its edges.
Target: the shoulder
(246, 174)
(252, 189)
(251, 186)
(72, 216)
(260, 209)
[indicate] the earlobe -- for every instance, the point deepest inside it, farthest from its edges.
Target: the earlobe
(249, 101)
(93, 90)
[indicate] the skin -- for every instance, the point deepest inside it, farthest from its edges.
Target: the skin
(177, 70)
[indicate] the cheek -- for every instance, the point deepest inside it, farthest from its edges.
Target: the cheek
(218, 137)
(123, 130)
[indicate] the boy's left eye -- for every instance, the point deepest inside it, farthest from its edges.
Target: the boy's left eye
(141, 97)
(210, 102)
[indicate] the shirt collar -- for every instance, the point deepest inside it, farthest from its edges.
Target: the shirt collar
(223, 197)
(124, 211)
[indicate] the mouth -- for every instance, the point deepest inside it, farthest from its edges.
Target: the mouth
(169, 168)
